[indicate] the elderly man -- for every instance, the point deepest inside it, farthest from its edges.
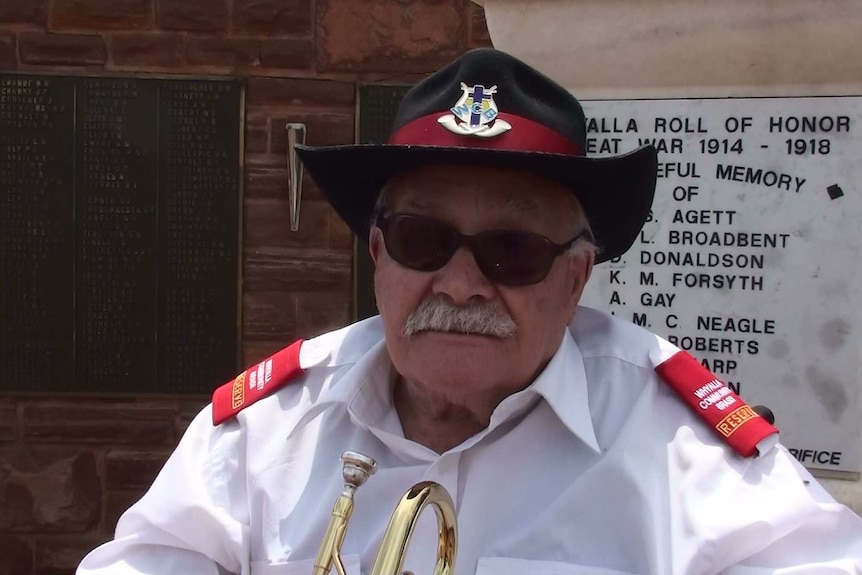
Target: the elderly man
(569, 441)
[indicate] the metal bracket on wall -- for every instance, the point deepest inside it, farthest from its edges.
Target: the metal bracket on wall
(295, 135)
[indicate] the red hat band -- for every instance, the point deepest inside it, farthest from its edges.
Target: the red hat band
(519, 135)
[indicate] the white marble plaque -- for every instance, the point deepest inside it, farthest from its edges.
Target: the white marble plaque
(751, 259)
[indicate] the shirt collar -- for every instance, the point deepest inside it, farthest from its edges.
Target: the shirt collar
(366, 390)
(563, 385)
(369, 371)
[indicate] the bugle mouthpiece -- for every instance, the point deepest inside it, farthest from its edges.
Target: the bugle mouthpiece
(356, 468)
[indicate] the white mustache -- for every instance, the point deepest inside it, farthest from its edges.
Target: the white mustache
(440, 314)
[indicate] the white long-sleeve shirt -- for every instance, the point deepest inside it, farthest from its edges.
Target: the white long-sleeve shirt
(597, 467)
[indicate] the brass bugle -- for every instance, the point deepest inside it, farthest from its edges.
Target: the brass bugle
(356, 469)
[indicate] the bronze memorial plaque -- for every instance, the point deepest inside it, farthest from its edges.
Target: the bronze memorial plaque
(120, 231)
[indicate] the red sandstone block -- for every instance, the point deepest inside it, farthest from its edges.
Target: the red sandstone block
(61, 49)
(256, 134)
(409, 36)
(148, 50)
(287, 53)
(24, 12)
(267, 182)
(272, 17)
(321, 312)
(268, 315)
(479, 35)
(255, 351)
(116, 503)
(264, 161)
(223, 52)
(340, 235)
(267, 224)
(322, 129)
(48, 489)
(299, 92)
(8, 421)
(61, 554)
(266, 178)
(271, 182)
(293, 270)
(132, 469)
(8, 59)
(17, 557)
(188, 411)
(192, 15)
(102, 14)
(148, 424)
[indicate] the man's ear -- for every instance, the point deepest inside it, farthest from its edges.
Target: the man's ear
(583, 268)
(375, 243)
(589, 262)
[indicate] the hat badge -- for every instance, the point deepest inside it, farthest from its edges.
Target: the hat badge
(475, 113)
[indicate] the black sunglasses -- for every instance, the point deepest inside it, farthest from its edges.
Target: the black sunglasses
(506, 257)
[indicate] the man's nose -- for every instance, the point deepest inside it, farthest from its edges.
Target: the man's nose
(462, 280)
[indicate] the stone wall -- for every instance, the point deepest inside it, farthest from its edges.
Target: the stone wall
(69, 465)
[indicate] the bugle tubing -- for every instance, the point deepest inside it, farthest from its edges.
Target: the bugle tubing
(393, 548)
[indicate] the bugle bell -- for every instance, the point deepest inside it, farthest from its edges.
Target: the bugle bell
(356, 469)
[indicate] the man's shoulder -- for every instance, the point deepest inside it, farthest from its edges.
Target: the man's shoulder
(303, 363)
(603, 335)
(611, 346)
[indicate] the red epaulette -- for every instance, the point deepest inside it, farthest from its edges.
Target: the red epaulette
(733, 420)
(257, 382)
